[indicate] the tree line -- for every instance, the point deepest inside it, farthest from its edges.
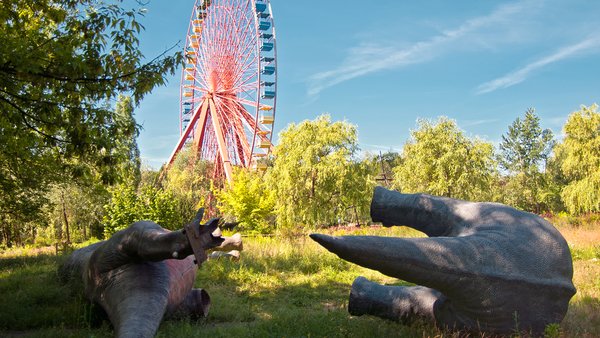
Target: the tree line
(317, 177)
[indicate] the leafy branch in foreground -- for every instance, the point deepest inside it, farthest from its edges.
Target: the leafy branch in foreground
(63, 64)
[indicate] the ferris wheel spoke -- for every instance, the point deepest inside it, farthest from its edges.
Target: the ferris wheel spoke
(234, 111)
(247, 71)
(248, 102)
(238, 140)
(242, 44)
(253, 125)
(201, 125)
(223, 151)
(185, 135)
(251, 76)
(247, 88)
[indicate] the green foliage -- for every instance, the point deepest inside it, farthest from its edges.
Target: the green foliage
(159, 206)
(314, 175)
(552, 331)
(122, 210)
(74, 211)
(249, 200)
(440, 160)
(188, 180)
(524, 149)
(382, 165)
(126, 152)
(126, 207)
(63, 64)
(525, 145)
(579, 156)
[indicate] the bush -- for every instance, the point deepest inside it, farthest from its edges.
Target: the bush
(126, 207)
(249, 201)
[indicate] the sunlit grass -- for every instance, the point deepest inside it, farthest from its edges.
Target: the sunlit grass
(280, 287)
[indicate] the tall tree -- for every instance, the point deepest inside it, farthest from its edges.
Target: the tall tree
(579, 158)
(315, 176)
(439, 159)
(524, 151)
(74, 211)
(62, 65)
(126, 152)
(525, 147)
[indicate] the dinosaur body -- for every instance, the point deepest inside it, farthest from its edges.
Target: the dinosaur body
(485, 266)
(143, 274)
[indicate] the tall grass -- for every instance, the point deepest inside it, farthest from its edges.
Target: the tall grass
(279, 288)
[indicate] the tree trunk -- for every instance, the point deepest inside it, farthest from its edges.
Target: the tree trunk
(64, 209)
(356, 215)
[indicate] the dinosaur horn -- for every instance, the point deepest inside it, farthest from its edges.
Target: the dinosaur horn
(231, 243)
(198, 218)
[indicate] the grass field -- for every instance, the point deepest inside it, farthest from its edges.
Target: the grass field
(279, 288)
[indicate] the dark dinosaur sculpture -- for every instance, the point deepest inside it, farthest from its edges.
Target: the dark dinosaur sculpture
(486, 267)
(145, 273)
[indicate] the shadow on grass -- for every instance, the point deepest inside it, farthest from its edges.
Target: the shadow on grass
(583, 318)
(34, 299)
(293, 293)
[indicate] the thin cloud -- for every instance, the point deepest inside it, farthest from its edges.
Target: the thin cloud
(522, 74)
(366, 58)
(378, 147)
(471, 123)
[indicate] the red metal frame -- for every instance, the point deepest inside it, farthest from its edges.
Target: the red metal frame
(221, 85)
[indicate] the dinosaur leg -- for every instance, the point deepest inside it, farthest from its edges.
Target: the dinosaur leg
(134, 296)
(435, 216)
(141, 242)
(195, 305)
(393, 302)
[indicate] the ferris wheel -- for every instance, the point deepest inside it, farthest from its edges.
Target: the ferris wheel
(229, 84)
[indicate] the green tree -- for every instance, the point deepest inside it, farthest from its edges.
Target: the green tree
(440, 160)
(249, 200)
(62, 65)
(526, 147)
(126, 151)
(315, 176)
(127, 206)
(382, 166)
(122, 210)
(524, 151)
(74, 212)
(188, 180)
(579, 158)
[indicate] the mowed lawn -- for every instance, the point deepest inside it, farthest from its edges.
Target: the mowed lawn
(279, 288)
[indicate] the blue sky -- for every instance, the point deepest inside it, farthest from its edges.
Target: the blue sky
(382, 65)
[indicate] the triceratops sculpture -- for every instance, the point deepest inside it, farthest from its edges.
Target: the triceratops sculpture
(144, 273)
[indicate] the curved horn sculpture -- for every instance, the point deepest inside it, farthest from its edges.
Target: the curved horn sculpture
(485, 266)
